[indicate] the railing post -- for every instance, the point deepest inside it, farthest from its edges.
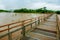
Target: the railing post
(35, 23)
(44, 18)
(31, 23)
(23, 31)
(38, 20)
(9, 34)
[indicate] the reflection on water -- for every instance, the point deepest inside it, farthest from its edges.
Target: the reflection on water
(6, 18)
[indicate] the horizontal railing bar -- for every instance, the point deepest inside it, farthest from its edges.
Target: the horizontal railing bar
(14, 26)
(9, 24)
(14, 23)
(9, 28)
(16, 30)
(10, 32)
(30, 24)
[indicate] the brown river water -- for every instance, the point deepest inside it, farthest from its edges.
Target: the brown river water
(6, 18)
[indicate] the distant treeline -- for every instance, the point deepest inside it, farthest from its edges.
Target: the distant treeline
(25, 10)
(58, 12)
(41, 10)
(4, 11)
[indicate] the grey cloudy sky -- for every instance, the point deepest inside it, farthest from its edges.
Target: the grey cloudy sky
(31, 4)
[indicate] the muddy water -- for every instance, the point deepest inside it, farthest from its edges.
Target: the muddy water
(6, 18)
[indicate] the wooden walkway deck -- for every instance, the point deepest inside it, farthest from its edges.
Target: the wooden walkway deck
(50, 24)
(45, 31)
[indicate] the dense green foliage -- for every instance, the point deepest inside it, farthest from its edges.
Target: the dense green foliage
(58, 12)
(4, 11)
(41, 10)
(25, 10)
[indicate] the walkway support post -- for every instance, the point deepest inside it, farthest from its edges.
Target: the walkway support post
(31, 24)
(35, 23)
(23, 31)
(9, 34)
(38, 20)
(44, 17)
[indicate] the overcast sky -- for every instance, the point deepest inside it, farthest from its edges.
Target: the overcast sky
(31, 4)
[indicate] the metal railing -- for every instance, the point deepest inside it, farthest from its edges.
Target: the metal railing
(22, 28)
(57, 27)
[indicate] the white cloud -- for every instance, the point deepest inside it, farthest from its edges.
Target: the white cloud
(40, 5)
(1, 5)
(33, 4)
(36, 5)
(52, 7)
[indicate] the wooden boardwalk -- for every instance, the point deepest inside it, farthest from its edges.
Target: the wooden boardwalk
(45, 31)
(44, 28)
(50, 24)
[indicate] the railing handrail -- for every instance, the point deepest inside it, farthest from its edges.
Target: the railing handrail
(57, 26)
(16, 23)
